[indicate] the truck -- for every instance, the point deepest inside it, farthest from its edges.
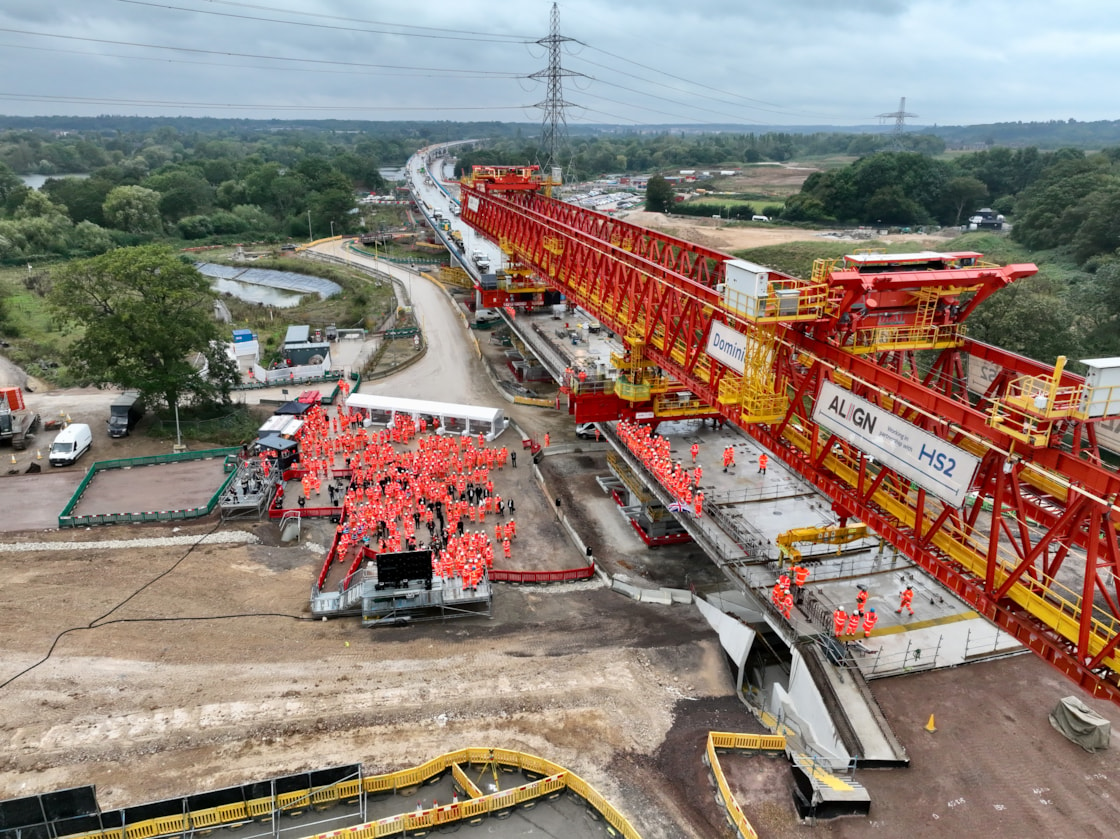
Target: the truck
(17, 421)
(124, 413)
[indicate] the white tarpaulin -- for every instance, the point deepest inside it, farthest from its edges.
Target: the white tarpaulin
(1081, 724)
(940, 468)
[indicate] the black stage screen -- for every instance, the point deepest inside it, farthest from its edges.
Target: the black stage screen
(397, 568)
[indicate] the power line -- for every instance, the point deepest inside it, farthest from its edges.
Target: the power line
(426, 72)
(306, 25)
(198, 51)
(271, 106)
(518, 38)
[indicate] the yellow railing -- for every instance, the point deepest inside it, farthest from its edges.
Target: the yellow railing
(906, 337)
(786, 300)
(631, 392)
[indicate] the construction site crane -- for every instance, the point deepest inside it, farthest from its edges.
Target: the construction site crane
(858, 379)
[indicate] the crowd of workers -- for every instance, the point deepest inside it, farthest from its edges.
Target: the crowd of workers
(653, 451)
(408, 489)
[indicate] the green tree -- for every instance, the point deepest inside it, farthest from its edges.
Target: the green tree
(659, 195)
(133, 209)
(182, 194)
(123, 300)
(83, 198)
(9, 184)
(1033, 317)
(963, 193)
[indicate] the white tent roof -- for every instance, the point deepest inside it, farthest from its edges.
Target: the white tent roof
(422, 406)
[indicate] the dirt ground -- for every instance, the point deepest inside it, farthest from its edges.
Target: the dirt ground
(211, 674)
(722, 236)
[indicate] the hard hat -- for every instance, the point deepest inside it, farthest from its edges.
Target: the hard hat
(872, 609)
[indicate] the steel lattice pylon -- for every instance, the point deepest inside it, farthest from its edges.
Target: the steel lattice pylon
(1033, 546)
(555, 125)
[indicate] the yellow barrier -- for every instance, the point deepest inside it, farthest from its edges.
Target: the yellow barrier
(554, 780)
(156, 827)
(749, 742)
(537, 403)
(260, 808)
(465, 783)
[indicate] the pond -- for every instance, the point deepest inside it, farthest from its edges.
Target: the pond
(37, 181)
(279, 298)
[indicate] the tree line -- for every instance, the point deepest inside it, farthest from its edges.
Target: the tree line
(591, 157)
(165, 185)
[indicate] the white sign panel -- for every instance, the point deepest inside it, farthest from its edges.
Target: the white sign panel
(940, 468)
(728, 346)
(472, 203)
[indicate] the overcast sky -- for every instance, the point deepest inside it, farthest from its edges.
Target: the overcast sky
(783, 62)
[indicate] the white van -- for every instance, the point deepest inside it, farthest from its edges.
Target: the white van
(71, 443)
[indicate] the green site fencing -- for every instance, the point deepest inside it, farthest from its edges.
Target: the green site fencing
(66, 519)
(553, 781)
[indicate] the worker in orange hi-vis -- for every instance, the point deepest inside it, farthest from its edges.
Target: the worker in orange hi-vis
(763, 460)
(506, 548)
(546, 439)
(800, 575)
(699, 506)
(839, 621)
(906, 598)
(853, 624)
(695, 451)
(787, 606)
(861, 600)
(869, 622)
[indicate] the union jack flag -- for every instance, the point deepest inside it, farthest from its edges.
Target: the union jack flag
(676, 507)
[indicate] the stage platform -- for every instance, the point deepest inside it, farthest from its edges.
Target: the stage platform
(416, 601)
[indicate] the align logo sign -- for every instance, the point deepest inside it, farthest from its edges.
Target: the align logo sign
(940, 468)
(728, 347)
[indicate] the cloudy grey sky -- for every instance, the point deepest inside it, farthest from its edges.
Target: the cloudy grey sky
(782, 62)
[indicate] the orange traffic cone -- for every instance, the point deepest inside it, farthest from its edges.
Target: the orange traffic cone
(930, 727)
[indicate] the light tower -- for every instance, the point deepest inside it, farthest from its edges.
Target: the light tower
(900, 116)
(554, 129)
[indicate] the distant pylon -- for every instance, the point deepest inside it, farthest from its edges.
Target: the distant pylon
(554, 129)
(900, 116)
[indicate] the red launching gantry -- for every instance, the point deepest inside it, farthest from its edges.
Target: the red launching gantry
(859, 378)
